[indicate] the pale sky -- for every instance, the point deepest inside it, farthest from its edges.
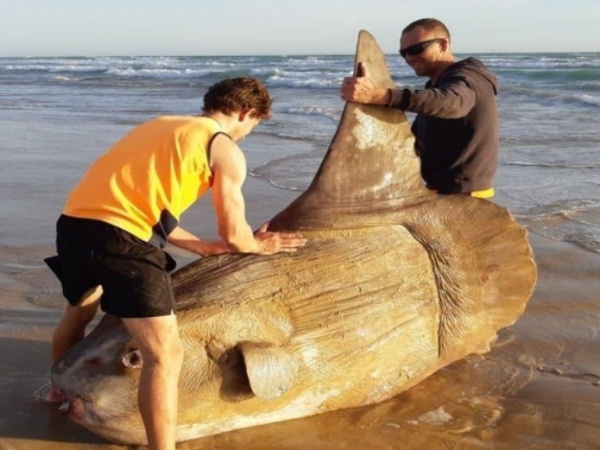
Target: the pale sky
(284, 27)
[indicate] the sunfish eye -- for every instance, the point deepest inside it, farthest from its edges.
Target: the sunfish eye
(132, 358)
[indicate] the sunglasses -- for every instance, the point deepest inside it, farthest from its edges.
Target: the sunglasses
(417, 49)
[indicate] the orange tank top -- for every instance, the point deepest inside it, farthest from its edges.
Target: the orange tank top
(146, 181)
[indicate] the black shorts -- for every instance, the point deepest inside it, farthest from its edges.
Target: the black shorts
(134, 274)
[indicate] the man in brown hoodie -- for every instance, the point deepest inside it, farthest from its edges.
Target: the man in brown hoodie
(456, 127)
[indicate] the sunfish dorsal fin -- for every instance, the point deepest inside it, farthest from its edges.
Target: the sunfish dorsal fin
(371, 162)
(271, 370)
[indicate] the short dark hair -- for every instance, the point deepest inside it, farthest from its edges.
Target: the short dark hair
(238, 94)
(429, 25)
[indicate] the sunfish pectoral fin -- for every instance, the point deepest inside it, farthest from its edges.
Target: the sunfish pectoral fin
(271, 370)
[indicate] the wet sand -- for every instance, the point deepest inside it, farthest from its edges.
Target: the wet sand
(538, 388)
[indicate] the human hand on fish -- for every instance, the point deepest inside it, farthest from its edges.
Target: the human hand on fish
(270, 242)
(361, 89)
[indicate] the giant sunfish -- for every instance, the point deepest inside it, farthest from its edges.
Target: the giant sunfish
(394, 283)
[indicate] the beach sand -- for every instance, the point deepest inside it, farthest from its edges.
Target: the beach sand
(538, 388)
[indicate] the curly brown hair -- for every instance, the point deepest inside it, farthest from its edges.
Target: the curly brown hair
(238, 94)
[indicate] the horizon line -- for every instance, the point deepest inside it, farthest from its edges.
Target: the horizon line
(239, 55)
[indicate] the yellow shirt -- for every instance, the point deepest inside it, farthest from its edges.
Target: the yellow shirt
(149, 178)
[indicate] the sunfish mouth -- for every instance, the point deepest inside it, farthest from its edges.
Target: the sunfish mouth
(73, 407)
(81, 410)
(87, 412)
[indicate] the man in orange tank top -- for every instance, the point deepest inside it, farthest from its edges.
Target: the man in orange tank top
(128, 205)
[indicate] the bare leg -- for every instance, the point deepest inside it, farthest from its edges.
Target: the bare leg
(71, 329)
(162, 355)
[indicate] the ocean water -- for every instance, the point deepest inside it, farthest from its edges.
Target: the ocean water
(58, 114)
(536, 388)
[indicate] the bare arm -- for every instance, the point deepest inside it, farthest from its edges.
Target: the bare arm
(229, 168)
(187, 241)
